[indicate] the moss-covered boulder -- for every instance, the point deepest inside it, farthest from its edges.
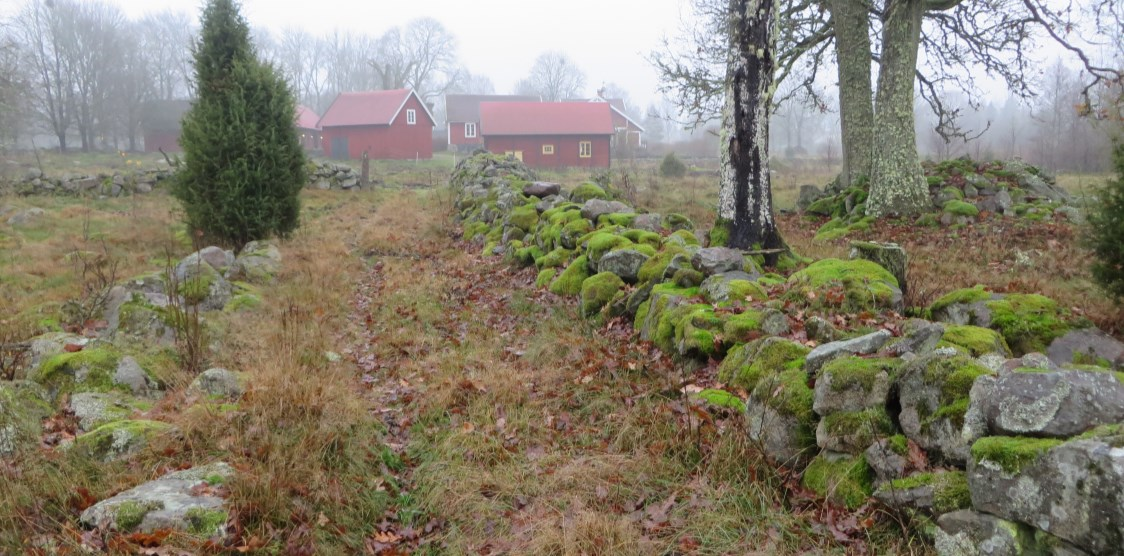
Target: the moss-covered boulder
(89, 370)
(852, 432)
(23, 406)
(780, 419)
(220, 383)
(175, 501)
(259, 262)
(747, 364)
(523, 217)
(934, 396)
(598, 290)
(967, 533)
(860, 285)
(143, 318)
(119, 439)
(842, 480)
(569, 282)
(933, 493)
(976, 340)
(1087, 346)
(625, 263)
(1029, 322)
(964, 306)
(587, 191)
(852, 384)
(734, 286)
(689, 330)
(662, 299)
(94, 409)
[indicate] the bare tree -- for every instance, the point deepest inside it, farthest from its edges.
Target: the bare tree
(421, 56)
(14, 88)
(95, 62)
(553, 77)
(46, 31)
(165, 41)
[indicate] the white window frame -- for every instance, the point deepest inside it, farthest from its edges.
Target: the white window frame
(411, 116)
(470, 130)
(548, 149)
(585, 149)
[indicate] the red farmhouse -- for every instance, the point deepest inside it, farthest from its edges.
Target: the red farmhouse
(549, 134)
(384, 124)
(628, 132)
(308, 127)
(160, 122)
(462, 117)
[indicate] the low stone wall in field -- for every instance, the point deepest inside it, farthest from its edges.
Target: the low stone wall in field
(35, 182)
(997, 422)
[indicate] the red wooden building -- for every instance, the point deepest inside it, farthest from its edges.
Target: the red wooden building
(392, 124)
(160, 124)
(549, 134)
(309, 128)
(462, 118)
(627, 132)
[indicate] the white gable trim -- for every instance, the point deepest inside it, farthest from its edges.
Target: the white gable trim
(630, 120)
(421, 102)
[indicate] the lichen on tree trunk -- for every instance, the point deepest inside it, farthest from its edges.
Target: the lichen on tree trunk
(745, 200)
(897, 185)
(856, 106)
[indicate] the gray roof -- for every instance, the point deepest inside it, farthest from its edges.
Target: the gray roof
(466, 108)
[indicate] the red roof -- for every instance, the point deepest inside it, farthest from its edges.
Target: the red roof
(306, 118)
(545, 118)
(369, 108)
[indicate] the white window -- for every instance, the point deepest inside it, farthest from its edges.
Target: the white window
(548, 149)
(585, 149)
(411, 116)
(470, 130)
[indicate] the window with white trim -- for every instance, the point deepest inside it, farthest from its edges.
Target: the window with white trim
(470, 130)
(585, 149)
(411, 116)
(548, 149)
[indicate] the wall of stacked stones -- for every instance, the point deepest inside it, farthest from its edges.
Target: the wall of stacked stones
(997, 422)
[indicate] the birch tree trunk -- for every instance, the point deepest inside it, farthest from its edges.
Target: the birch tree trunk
(745, 200)
(897, 185)
(856, 105)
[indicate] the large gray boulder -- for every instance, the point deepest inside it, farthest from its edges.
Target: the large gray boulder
(716, 260)
(969, 533)
(717, 288)
(94, 409)
(130, 373)
(778, 434)
(258, 262)
(625, 263)
(933, 391)
(1073, 490)
(541, 189)
(595, 208)
(215, 257)
(853, 384)
(651, 222)
(890, 256)
(808, 195)
(1055, 404)
(863, 345)
(918, 337)
(1041, 188)
(219, 382)
(25, 217)
(1088, 346)
(175, 501)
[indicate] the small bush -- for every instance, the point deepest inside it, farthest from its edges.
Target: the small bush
(672, 167)
(1105, 235)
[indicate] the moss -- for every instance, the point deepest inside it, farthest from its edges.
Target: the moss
(1090, 359)
(722, 398)
(204, 522)
(952, 192)
(558, 258)
(598, 290)
(242, 302)
(864, 427)
(865, 283)
(743, 326)
(545, 277)
(527, 256)
(719, 235)
(826, 206)
(196, 289)
(978, 341)
(955, 375)
(789, 395)
(687, 278)
(742, 289)
(1011, 453)
(601, 243)
(847, 372)
(1113, 435)
(678, 222)
(688, 329)
(846, 481)
(524, 217)
(113, 439)
(961, 208)
(1029, 322)
(644, 237)
(570, 281)
(59, 374)
(616, 219)
(927, 220)
(474, 230)
(899, 444)
(950, 489)
(489, 248)
(685, 237)
(129, 515)
(749, 363)
(839, 227)
(965, 295)
(587, 191)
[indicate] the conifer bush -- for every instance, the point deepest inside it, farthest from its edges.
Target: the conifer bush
(1106, 230)
(672, 167)
(243, 166)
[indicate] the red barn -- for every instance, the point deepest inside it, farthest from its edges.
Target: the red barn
(462, 117)
(309, 128)
(549, 134)
(160, 123)
(385, 124)
(628, 132)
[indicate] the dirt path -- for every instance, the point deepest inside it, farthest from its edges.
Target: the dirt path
(524, 429)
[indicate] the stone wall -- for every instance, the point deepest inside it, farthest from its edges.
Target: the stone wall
(997, 423)
(35, 182)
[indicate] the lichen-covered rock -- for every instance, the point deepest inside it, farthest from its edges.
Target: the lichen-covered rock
(1073, 490)
(1087, 346)
(23, 406)
(143, 318)
(969, 533)
(850, 384)
(1058, 404)
(747, 364)
(170, 502)
(217, 258)
(257, 263)
(852, 432)
(866, 285)
(933, 393)
(731, 286)
(119, 439)
(89, 370)
(48, 345)
(598, 290)
(593, 209)
(888, 458)
(779, 417)
(934, 493)
(716, 260)
(651, 222)
(129, 373)
(863, 345)
(94, 409)
(220, 382)
(625, 263)
(27, 216)
(820, 330)
(964, 306)
(842, 479)
(890, 256)
(918, 337)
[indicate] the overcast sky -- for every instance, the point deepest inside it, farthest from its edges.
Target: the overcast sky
(608, 39)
